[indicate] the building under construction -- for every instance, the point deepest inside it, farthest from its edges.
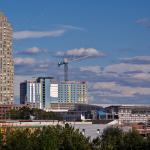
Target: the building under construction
(45, 93)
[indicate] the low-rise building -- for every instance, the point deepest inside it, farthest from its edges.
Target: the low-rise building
(5, 108)
(129, 114)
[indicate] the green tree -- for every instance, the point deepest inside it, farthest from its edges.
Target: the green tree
(18, 140)
(96, 143)
(73, 139)
(26, 112)
(47, 139)
(1, 141)
(112, 139)
(134, 141)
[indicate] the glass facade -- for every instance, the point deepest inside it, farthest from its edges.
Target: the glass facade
(45, 91)
(40, 92)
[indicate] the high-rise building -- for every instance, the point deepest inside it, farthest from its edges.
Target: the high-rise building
(72, 92)
(6, 62)
(49, 91)
(30, 92)
(45, 92)
(40, 92)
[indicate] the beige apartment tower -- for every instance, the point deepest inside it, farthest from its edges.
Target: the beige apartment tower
(6, 62)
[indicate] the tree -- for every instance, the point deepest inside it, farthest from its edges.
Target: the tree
(18, 140)
(26, 112)
(112, 139)
(1, 140)
(134, 141)
(73, 139)
(46, 138)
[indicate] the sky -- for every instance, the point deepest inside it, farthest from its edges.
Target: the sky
(112, 37)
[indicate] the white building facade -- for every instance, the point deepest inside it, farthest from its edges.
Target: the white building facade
(45, 91)
(130, 114)
(40, 93)
(73, 92)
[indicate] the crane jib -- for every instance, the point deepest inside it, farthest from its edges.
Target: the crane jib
(65, 63)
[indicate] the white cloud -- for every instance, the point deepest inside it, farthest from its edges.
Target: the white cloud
(144, 21)
(104, 85)
(73, 27)
(125, 67)
(38, 34)
(33, 50)
(113, 89)
(20, 61)
(92, 52)
(142, 76)
(137, 59)
(94, 69)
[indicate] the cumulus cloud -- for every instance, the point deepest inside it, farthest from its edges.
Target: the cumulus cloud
(93, 69)
(81, 52)
(32, 66)
(142, 76)
(125, 81)
(137, 60)
(32, 51)
(127, 68)
(21, 60)
(117, 90)
(38, 34)
(144, 21)
(130, 79)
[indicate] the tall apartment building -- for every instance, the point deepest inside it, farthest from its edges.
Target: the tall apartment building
(6, 62)
(72, 92)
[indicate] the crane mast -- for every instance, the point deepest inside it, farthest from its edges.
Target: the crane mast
(65, 63)
(66, 71)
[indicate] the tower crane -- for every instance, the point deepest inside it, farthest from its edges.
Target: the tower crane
(65, 62)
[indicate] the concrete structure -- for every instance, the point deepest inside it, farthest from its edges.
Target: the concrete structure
(40, 92)
(30, 93)
(129, 114)
(76, 111)
(46, 93)
(72, 92)
(49, 91)
(6, 62)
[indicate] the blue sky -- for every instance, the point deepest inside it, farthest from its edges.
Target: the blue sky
(116, 35)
